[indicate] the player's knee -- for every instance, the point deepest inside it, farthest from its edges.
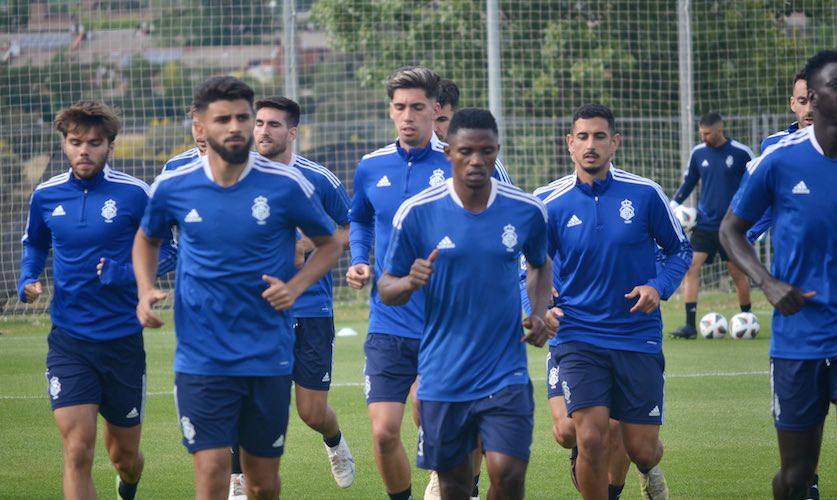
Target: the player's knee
(263, 491)
(78, 455)
(454, 489)
(591, 443)
(509, 480)
(646, 455)
(313, 416)
(126, 462)
(385, 436)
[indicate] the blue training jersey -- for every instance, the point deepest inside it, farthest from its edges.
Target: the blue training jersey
(83, 220)
(228, 238)
(719, 171)
(184, 158)
(317, 301)
(383, 180)
(604, 242)
(471, 344)
(796, 180)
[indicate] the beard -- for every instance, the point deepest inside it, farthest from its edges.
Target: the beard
(233, 156)
(275, 149)
(97, 167)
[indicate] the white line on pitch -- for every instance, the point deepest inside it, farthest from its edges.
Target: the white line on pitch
(360, 384)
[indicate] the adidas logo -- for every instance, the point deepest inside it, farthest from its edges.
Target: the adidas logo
(59, 210)
(279, 442)
(574, 221)
(704, 164)
(383, 182)
(193, 216)
(133, 413)
(655, 412)
(800, 188)
(326, 378)
(446, 244)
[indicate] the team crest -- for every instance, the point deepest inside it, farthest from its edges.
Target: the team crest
(509, 237)
(627, 211)
(260, 209)
(729, 161)
(109, 211)
(367, 386)
(188, 429)
(553, 377)
(54, 387)
(438, 177)
(566, 389)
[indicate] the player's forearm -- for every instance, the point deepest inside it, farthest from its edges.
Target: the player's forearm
(733, 239)
(32, 263)
(342, 235)
(145, 255)
(673, 268)
(324, 257)
(361, 236)
(393, 290)
(539, 286)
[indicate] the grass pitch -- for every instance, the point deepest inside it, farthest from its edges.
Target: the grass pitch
(719, 436)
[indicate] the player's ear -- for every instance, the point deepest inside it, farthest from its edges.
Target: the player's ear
(447, 149)
(437, 109)
(570, 142)
(616, 140)
(293, 132)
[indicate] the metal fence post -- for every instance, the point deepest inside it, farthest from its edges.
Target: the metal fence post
(495, 83)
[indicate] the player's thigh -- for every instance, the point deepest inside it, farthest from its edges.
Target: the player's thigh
(391, 367)
(264, 416)
(506, 421)
(122, 441)
(638, 387)
(261, 472)
(585, 375)
(314, 353)
(386, 418)
(209, 409)
(310, 402)
(447, 436)
(640, 438)
(802, 391)
(800, 448)
(77, 424)
(500, 465)
(121, 365)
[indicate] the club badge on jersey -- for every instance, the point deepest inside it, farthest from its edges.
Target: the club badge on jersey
(438, 177)
(509, 237)
(109, 210)
(260, 210)
(626, 211)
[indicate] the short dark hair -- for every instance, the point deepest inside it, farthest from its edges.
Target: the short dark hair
(592, 110)
(414, 77)
(797, 77)
(710, 119)
(448, 93)
(472, 118)
(289, 106)
(818, 62)
(85, 115)
(221, 88)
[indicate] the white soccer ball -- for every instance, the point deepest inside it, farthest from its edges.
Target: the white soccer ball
(744, 326)
(713, 326)
(686, 215)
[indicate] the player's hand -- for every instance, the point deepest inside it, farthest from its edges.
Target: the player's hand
(649, 299)
(537, 331)
(33, 291)
(358, 276)
(553, 319)
(145, 308)
(100, 266)
(787, 299)
(279, 294)
(422, 269)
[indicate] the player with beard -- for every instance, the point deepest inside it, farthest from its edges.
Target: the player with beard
(236, 217)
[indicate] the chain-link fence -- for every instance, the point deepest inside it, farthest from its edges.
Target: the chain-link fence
(658, 63)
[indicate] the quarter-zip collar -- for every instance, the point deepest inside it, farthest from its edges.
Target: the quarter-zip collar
(88, 184)
(415, 154)
(599, 185)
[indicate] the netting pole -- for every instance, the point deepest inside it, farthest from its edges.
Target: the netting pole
(684, 66)
(495, 84)
(289, 39)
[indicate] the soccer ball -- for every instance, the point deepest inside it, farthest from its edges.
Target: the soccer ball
(686, 215)
(744, 326)
(713, 326)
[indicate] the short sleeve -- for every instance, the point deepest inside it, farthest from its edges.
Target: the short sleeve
(306, 211)
(536, 246)
(755, 194)
(156, 221)
(402, 251)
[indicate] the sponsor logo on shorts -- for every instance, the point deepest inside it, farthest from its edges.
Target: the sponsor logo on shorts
(133, 413)
(280, 441)
(655, 412)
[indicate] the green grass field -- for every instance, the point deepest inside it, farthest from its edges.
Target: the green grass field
(720, 441)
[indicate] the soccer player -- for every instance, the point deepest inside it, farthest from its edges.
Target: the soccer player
(718, 163)
(472, 362)
(277, 119)
(605, 225)
(796, 178)
(801, 107)
(236, 217)
(448, 100)
(383, 180)
(188, 156)
(96, 359)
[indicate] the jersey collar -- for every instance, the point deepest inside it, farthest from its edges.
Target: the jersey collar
(87, 184)
(599, 185)
(458, 201)
(793, 127)
(813, 138)
(415, 154)
(208, 171)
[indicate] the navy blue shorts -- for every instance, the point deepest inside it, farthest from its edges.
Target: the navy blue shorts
(110, 374)
(802, 392)
(314, 352)
(391, 367)
(630, 383)
(503, 421)
(222, 411)
(553, 378)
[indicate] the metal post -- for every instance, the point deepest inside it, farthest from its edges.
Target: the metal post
(289, 31)
(495, 84)
(684, 65)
